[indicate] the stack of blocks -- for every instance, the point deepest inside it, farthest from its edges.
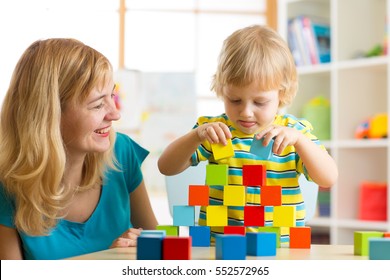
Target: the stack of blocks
(374, 244)
(236, 243)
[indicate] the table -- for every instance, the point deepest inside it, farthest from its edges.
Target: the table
(316, 252)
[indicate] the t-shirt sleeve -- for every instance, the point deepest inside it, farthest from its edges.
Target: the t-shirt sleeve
(130, 156)
(7, 208)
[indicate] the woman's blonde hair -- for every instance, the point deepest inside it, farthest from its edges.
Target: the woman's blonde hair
(50, 74)
(256, 54)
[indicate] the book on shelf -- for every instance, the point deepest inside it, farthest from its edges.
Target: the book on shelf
(309, 40)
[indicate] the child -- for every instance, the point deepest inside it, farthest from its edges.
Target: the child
(255, 78)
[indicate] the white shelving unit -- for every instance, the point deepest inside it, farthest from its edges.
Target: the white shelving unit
(357, 88)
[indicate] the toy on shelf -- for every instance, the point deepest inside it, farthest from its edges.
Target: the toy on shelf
(373, 128)
(373, 201)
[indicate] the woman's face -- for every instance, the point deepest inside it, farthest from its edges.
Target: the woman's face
(85, 127)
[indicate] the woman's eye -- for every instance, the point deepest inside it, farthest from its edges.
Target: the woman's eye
(99, 106)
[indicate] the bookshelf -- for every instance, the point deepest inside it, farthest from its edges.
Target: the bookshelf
(357, 88)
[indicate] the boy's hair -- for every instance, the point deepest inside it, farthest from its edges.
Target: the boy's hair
(257, 54)
(50, 75)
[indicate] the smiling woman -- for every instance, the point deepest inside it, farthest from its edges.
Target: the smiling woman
(74, 186)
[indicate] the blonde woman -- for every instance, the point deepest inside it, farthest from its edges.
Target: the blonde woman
(69, 184)
(255, 78)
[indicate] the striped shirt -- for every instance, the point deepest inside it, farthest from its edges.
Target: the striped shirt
(282, 170)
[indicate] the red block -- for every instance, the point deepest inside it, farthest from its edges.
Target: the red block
(373, 201)
(177, 248)
(300, 237)
(271, 195)
(254, 216)
(198, 195)
(254, 175)
(234, 230)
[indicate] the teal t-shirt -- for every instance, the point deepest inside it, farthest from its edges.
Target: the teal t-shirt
(109, 220)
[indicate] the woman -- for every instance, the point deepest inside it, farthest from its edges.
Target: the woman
(69, 184)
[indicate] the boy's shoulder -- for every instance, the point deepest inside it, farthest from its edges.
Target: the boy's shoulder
(207, 119)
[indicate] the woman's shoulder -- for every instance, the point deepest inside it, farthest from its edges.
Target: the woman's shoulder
(125, 145)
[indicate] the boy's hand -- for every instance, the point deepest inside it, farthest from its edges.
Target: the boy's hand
(215, 132)
(283, 136)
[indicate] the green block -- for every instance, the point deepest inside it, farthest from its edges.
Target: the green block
(170, 230)
(272, 229)
(361, 245)
(217, 174)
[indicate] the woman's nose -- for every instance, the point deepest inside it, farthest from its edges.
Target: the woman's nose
(113, 113)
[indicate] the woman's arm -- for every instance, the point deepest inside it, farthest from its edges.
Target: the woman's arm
(10, 244)
(142, 215)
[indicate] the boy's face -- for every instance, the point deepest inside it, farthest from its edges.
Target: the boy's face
(249, 108)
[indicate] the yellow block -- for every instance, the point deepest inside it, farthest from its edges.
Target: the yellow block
(234, 196)
(284, 216)
(216, 215)
(221, 151)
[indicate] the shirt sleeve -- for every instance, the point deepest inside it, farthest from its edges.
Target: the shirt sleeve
(130, 156)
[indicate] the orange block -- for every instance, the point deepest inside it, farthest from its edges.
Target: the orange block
(386, 234)
(198, 195)
(300, 237)
(271, 195)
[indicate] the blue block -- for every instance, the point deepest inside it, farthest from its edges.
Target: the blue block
(150, 232)
(149, 247)
(230, 247)
(259, 150)
(379, 248)
(261, 243)
(200, 236)
(183, 215)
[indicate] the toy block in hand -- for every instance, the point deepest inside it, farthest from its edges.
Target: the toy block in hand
(149, 232)
(261, 243)
(221, 151)
(379, 249)
(149, 247)
(177, 248)
(241, 230)
(300, 237)
(183, 215)
(284, 216)
(271, 195)
(200, 236)
(216, 215)
(254, 175)
(275, 230)
(254, 216)
(258, 149)
(230, 247)
(217, 174)
(360, 239)
(169, 229)
(234, 196)
(198, 195)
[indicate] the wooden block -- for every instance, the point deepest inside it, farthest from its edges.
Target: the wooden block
(271, 195)
(261, 243)
(379, 248)
(386, 234)
(272, 229)
(200, 236)
(241, 230)
(177, 248)
(234, 196)
(254, 216)
(221, 151)
(169, 229)
(183, 215)
(216, 215)
(149, 232)
(254, 175)
(230, 247)
(360, 239)
(217, 174)
(149, 247)
(284, 216)
(198, 195)
(300, 237)
(258, 149)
